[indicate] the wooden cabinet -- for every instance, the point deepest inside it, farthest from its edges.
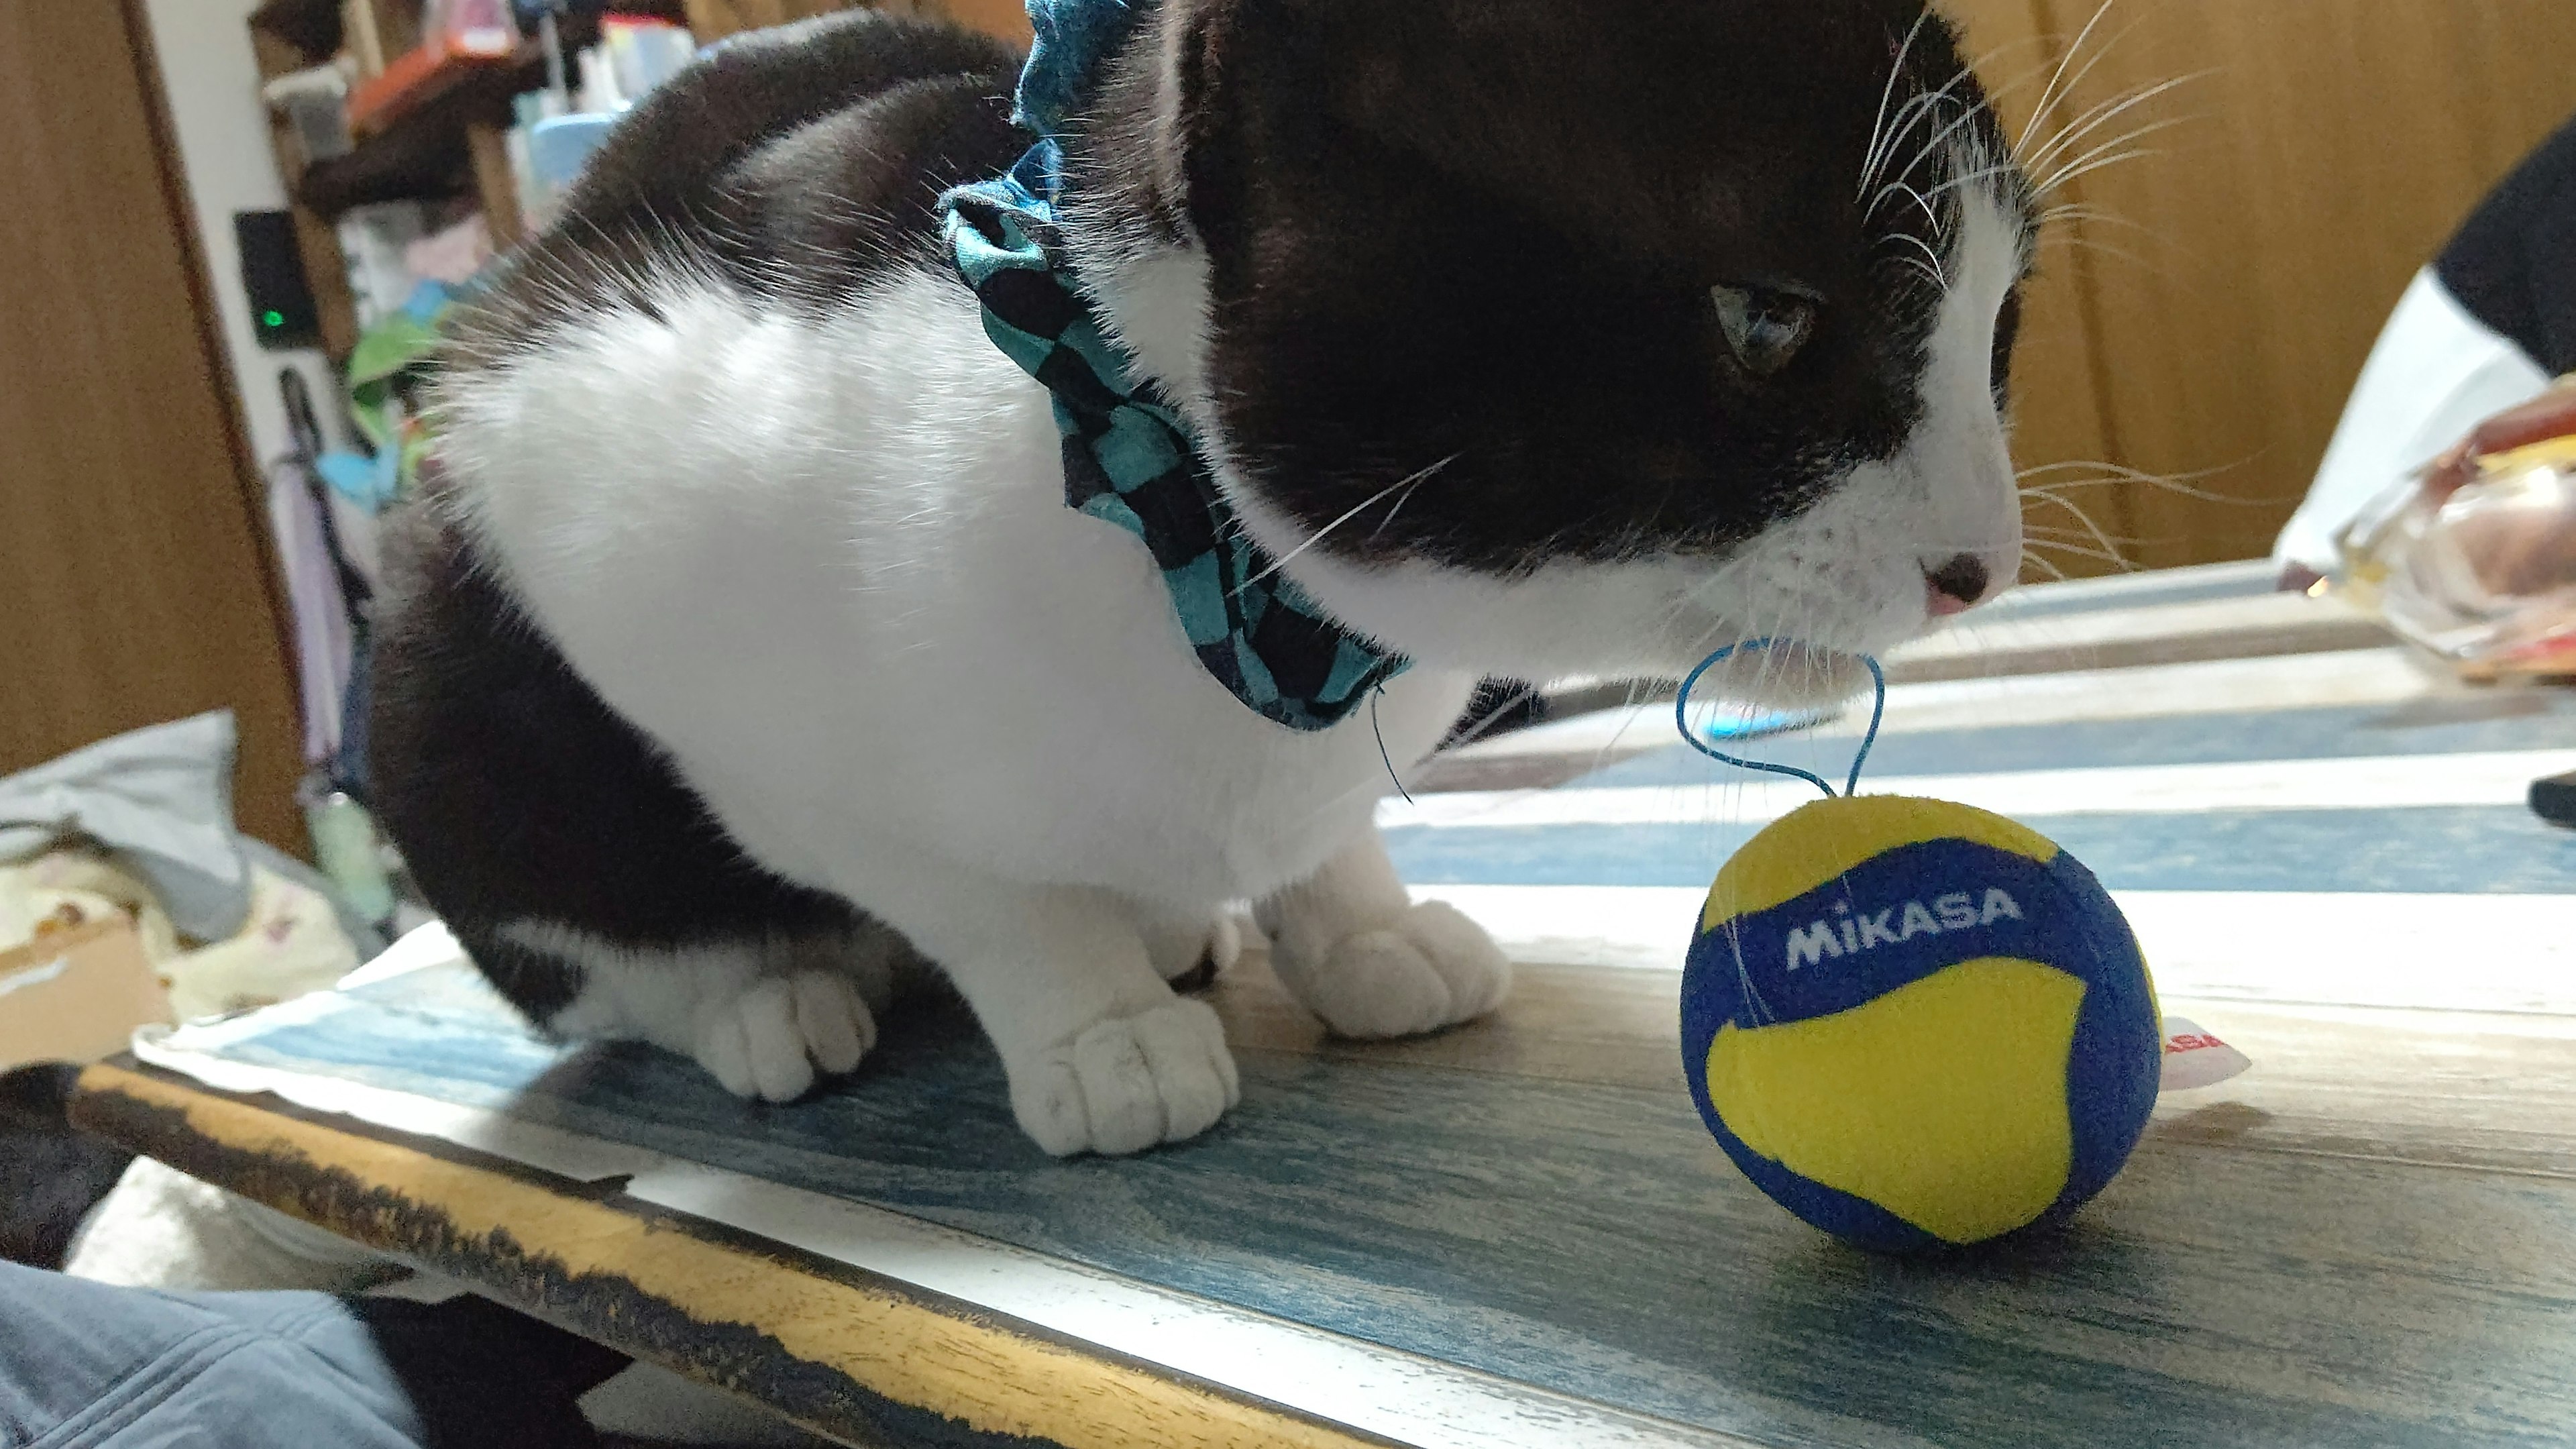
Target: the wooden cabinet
(135, 583)
(709, 19)
(2207, 312)
(1008, 19)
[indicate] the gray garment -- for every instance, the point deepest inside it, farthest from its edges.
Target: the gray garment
(161, 799)
(86, 1364)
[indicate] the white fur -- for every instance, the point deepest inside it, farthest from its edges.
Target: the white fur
(830, 569)
(764, 1016)
(827, 565)
(1847, 575)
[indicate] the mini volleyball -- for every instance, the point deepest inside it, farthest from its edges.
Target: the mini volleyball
(1915, 1024)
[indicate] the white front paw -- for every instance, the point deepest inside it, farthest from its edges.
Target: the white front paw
(1128, 1084)
(1431, 968)
(768, 1041)
(1191, 954)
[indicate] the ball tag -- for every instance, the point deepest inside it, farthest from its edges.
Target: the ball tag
(2194, 1059)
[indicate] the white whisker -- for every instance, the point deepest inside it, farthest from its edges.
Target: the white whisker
(1940, 227)
(2111, 556)
(1914, 110)
(1934, 257)
(1363, 506)
(2061, 85)
(2076, 242)
(2090, 167)
(2105, 113)
(2028, 558)
(2168, 483)
(1970, 178)
(1409, 486)
(1878, 128)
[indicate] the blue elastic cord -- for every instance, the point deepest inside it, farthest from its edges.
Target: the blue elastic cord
(1681, 721)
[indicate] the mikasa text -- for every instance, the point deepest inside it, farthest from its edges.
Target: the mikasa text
(1859, 931)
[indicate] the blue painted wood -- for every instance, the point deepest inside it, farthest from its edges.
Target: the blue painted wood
(2485, 850)
(1591, 1240)
(2519, 720)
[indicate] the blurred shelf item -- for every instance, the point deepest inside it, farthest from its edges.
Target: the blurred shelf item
(425, 148)
(430, 119)
(434, 68)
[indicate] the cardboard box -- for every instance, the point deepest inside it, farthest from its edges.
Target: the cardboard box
(76, 995)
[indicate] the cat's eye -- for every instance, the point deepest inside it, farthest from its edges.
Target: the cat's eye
(1765, 327)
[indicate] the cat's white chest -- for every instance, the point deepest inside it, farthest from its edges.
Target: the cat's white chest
(831, 570)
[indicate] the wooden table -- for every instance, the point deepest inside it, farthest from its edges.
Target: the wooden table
(1518, 1233)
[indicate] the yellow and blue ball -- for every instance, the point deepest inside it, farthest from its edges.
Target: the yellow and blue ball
(1916, 1024)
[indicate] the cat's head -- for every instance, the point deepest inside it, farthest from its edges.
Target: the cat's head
(1545, 338)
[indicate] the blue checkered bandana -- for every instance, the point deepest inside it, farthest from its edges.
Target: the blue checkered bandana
(1129, 460)
(1069, 40)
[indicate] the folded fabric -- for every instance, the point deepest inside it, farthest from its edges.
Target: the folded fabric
(162, 799)
(1070, 40)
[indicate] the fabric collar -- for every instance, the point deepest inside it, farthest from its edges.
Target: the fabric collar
(1129, 460)
(1069, 39)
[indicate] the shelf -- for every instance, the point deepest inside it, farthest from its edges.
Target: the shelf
(422, 151)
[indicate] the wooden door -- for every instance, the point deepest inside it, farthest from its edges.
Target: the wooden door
(135, 577)
(2207, 313)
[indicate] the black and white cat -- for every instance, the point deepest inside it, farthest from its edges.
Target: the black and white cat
(1530, 339)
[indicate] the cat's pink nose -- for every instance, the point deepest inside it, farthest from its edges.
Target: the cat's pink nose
(1956, 586)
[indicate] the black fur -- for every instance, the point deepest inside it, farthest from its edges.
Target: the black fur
(516, 793)
(800, 162)
(1486, 231)
(1480, 231)
(50, 1174)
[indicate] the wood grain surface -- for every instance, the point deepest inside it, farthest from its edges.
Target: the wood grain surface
(134, 574)
(2358, 1243)
(2361, 1241)
(842, 1353)
(2208, 313)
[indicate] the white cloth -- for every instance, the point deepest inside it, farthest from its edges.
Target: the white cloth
(160, 802)
(162, 799)
(160, 1228)
(2436, 373)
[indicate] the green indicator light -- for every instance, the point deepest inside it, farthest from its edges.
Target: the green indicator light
(273, 319)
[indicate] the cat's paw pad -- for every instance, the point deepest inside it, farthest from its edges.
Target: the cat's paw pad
(1125, 1085)
(1432, 968)
(770, 1041)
